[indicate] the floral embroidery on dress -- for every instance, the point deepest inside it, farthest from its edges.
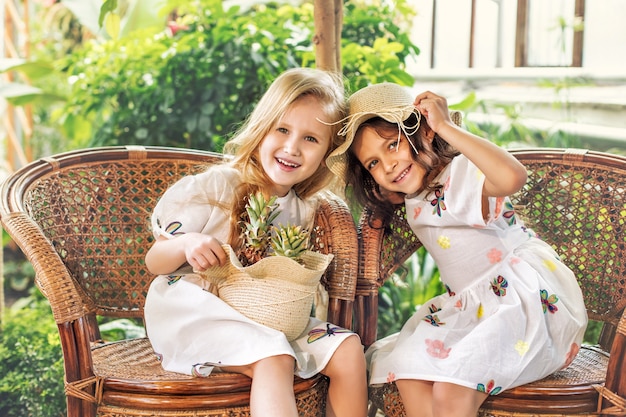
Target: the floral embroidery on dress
(416, 212)
(549, 301)
(391, 377)
(498, 207)
(521, 347)
(494, 256)
(480, 311)
(549, 263)
(436, 349)
(499, 285)
(444, 242)
(490, 388)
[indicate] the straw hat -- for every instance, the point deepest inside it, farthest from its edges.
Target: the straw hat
(390, 101)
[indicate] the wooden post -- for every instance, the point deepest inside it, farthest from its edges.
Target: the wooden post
(328, 16)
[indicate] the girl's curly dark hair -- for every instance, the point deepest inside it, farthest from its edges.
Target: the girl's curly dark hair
(360, 183)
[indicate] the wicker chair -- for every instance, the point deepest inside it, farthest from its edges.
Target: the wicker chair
(82, 219)
(577, 202)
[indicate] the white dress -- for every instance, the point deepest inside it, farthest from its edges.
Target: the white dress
(512, 310)
(191, 330)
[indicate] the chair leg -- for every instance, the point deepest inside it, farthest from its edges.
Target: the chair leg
(373, 410)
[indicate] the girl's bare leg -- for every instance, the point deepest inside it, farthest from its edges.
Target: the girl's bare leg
(455, 400)
(271, 394)
(347, 390)
(441, 399)
(417, 397)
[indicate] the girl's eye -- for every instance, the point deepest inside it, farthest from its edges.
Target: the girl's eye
(371, 165)
(310, 139)
(282, 130)
(393, 144)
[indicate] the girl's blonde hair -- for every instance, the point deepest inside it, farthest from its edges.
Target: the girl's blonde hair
(290, 86)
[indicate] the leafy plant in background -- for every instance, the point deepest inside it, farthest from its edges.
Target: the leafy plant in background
(190, 84)
(413, 284)
(31, 365)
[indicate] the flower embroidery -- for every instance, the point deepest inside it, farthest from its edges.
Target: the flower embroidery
(438, 204)
(573, 351)
(444, 242)
(490, 389)
(494, 256)
(416, 212)
(521, 347)
(549, 301)
(498, 285)
(480, 311)
(436, 349)
(498, 207)
(548, 263)
(391, 377)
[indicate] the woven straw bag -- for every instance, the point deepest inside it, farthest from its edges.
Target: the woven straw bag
(276, 291)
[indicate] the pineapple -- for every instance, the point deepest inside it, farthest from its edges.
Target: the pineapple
(257, 229)
(290, 241)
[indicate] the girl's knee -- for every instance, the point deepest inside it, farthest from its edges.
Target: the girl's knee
(347, 359)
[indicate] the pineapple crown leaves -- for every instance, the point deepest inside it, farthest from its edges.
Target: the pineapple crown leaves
(290, 241)
(260, 234)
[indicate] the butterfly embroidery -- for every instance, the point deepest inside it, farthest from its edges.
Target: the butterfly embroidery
(498, 285)
(433, 320)
(438, 203)
(549, 302)
(490, 389)
(509, 213)
(317, 334)
(449, 290)
(173, 228)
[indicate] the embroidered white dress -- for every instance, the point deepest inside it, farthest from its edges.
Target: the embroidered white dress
(512, 310)
(191, 329)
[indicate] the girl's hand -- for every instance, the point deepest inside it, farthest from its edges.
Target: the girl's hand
(203, 251)
(434, 108)
(198, 250)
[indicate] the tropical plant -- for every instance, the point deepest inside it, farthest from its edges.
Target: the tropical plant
(31, 362)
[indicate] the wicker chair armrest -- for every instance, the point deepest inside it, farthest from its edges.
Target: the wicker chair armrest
(51, 275)
(613, 392)
(336, 234)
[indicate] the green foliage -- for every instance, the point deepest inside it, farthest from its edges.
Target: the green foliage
(31, 364)
(412, 285)
(193, 83)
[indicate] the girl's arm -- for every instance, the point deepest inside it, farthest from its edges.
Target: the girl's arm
(199, 250)
(504, 175)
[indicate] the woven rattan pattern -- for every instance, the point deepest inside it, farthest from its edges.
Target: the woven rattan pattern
(98, 219)
(577, 202)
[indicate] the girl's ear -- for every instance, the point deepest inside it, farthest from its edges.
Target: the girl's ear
(427, 133)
